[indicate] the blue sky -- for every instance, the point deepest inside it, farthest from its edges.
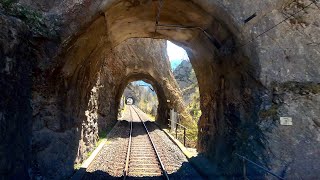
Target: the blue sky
(176, 54)
(143, 84)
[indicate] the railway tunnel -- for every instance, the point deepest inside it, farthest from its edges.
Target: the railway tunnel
(67, 63)
(164, 94)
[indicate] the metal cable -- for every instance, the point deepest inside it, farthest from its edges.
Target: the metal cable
(216, 42)
(237, 48)
(274, 26)
(261, 167)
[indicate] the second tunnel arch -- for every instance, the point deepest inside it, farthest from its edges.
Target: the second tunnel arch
(161, 90)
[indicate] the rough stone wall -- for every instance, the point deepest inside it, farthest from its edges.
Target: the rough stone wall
(16, 62)
(140, 59)
(289, 55)
(85, 102)
(186, 79)
(147, 56)
(293, 149)
(286, 54)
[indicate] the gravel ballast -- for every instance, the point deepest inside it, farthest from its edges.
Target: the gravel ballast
(110, 161)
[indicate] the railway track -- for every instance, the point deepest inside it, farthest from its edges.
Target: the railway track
(131, 154)
(142, 156)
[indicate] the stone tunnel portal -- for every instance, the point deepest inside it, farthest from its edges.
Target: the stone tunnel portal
(158, 93)
(73, 80)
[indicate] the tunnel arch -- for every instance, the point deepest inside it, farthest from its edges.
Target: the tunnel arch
(241, 90)
(222, 73)
(163, 108)
(130, 100)
(206, 11)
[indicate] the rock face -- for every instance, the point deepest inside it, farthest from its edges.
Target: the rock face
(299, 100)
(250, 73)
(15, 89)
(183, 74)
(186, 80)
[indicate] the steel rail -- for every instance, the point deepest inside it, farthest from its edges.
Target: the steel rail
(125, 172)
(154, 147)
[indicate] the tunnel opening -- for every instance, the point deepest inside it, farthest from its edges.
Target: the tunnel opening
(74, 90)
(187, 81)
(143, 96)
(149, 94)
(111, 65)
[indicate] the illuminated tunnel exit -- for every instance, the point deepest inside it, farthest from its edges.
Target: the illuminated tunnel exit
(143, 96)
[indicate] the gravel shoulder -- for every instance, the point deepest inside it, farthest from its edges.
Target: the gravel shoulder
(173, 159)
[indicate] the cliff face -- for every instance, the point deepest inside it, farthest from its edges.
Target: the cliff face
(15, 90)
(69, 61)
(186, 79)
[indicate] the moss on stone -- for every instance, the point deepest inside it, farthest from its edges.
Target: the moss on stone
(314, 88)
(38, 24)
(301, 88)
(6, 3)
(271, 112)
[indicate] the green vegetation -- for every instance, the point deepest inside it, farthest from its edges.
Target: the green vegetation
(145, 98)
(192, 135)
(122, 108)
(193, 108)
(152, 118)
(6, 3)
(148, 107)
(38, 24)
(194, 105)
(77, 166)
(271, 112)
(102, 136)
(299, 87)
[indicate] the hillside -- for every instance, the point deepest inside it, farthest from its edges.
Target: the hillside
(187, 81)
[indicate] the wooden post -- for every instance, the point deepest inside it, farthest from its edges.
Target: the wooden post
(184, 137)
(173, 119)
(176, 131)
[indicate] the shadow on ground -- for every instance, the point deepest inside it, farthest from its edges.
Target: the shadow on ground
(203, 167)
(184, 172)
(180, 174)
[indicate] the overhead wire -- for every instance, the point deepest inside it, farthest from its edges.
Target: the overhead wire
(238, 48)
(214, 40)
(276, 25)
